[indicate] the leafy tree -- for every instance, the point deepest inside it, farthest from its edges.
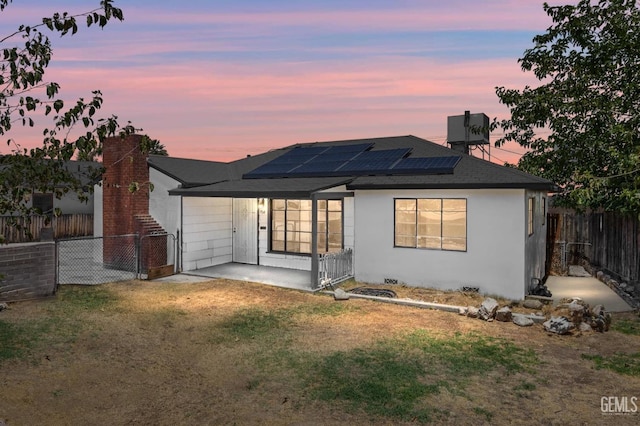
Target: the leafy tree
(26, 99)
(589, 101)
(153, 146)
(148, 145)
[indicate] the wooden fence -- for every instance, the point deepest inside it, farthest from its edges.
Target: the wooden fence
(64, 226)
(603, 239)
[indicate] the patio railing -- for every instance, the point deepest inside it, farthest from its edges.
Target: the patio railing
(334, 268)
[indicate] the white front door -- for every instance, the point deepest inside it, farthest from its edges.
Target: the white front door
(245, 230)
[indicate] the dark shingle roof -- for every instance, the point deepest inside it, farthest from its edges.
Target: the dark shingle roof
(269, 188)
(201, 178)
(190, 172)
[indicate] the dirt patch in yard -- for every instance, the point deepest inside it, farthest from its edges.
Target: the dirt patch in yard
(229, 352)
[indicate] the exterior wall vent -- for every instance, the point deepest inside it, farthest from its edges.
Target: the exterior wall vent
(390, 281)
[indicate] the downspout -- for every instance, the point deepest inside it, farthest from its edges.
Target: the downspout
(314, 241)
(180, 233)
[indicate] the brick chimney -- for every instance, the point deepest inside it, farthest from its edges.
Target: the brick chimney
(126, 212)
(124, 163)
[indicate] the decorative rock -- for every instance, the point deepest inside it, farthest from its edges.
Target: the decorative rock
(559, 325)
(598, 310)
(340, 294)
(600, 319)
(472, 312)
(599, 275)
(3, 306)
(577, 311)
(521, 320)
(584, 327)
(532, 304)
(488, 309)
(504, 314)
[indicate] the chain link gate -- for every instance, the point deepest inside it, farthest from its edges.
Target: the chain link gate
(97, 260)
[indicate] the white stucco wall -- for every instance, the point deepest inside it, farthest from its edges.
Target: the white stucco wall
(206, 232)
(495, 257)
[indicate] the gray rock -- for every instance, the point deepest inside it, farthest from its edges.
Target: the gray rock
(3, 306)
(472, 312)
(598, 310)
(600, 319)
(584, 327)
(504, 314)
(522, 320)
(340, 294)
(559, 325)
(488, 309)
(532, 304)
(576, 307)
(599, 275)
(577, 311)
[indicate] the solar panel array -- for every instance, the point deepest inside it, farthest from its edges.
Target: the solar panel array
(434, 165)
(350, 160)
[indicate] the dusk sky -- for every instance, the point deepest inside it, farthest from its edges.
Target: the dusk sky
(218, 80)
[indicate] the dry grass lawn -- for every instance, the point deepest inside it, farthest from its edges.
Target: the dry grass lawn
(226, 352)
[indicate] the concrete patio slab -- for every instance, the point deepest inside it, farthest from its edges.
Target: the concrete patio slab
(280, 277)
(591, 290)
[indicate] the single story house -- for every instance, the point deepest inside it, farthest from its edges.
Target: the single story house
(401, 209)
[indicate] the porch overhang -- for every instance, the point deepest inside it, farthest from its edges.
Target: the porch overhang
(264, 188)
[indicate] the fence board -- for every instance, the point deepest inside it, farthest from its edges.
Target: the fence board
(64, 226)
(604, 239)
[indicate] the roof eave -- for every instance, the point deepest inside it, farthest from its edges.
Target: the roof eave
(535, 186)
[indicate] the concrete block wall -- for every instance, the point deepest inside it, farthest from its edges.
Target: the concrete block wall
(27, 271)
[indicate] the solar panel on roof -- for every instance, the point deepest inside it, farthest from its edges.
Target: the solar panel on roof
(433, 165)
(358, 166)
(290, 160)
(328, 156)
(271, 168)
(374, 161)
(385, 154)
(311, 150)
(315, 168)
(350, 160)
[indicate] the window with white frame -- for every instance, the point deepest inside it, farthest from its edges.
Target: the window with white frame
(291, 226)
(431, 223)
